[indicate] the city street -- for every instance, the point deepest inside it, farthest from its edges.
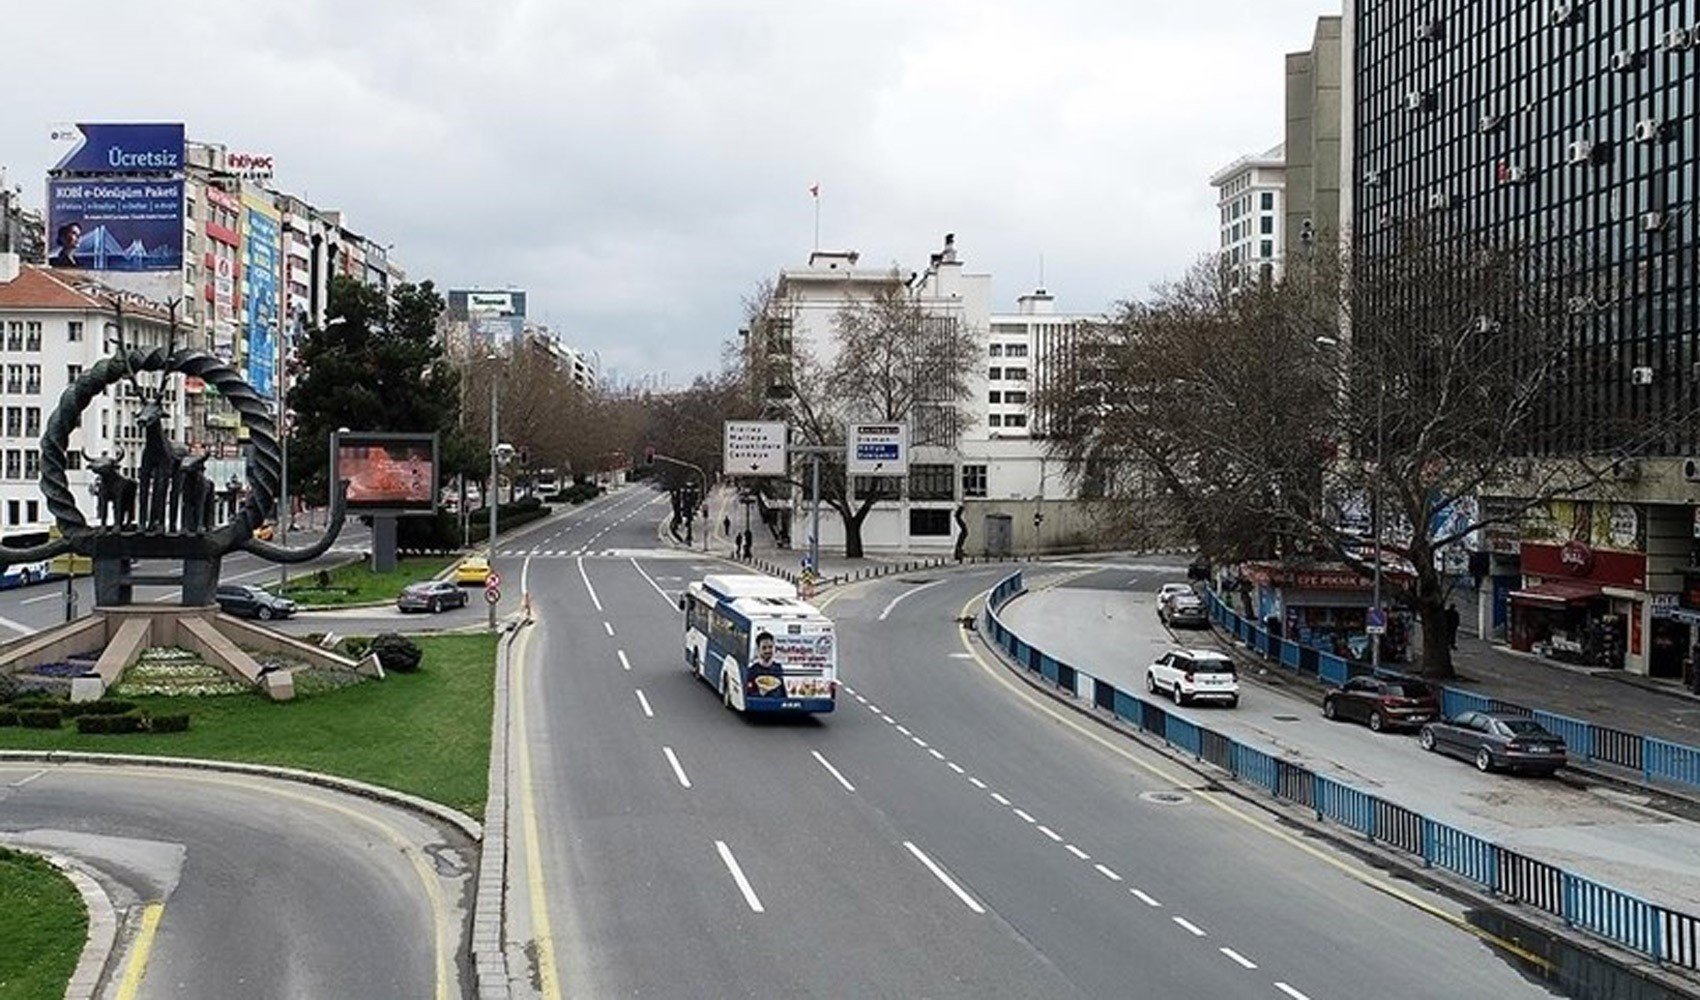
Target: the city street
(265, 889)
(944, 833)
(1105, 623)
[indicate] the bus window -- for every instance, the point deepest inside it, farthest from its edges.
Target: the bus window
(730, 637)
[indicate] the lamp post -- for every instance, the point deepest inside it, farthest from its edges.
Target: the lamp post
(490, 491)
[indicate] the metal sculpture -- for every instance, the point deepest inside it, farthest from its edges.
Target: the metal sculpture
(115, 493)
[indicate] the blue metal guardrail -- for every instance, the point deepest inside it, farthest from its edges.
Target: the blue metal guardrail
(1657, 760)
(1662, 934)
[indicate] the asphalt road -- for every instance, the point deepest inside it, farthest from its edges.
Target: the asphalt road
(946, 833)
(268, 889)
(1106, 624)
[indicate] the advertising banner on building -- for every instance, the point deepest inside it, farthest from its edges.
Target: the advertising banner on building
(259, 278)
(119, 148)
(115, 225)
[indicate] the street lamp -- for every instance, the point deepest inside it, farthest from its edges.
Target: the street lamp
(280, 379)
(490, 489)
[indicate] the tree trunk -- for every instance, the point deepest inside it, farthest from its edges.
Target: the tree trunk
(1431, 613)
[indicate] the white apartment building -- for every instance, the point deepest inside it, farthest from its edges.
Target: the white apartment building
(996, 456)
(1249, 194)
(51, 331)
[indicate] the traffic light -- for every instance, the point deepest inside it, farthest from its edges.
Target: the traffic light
(649, 456)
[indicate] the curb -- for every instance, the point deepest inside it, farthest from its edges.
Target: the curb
(86, 978)
(1342, 839)
(468, 826)
(489, 908)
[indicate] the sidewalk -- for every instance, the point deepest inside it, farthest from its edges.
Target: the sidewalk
(769, 557)
(1612, 698)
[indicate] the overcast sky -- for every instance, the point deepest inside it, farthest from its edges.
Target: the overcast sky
(638, 166)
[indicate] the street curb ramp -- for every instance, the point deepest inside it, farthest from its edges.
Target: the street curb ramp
(1677, 975)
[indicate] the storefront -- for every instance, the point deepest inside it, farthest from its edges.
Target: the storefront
(1324, 606)
(1580, 604)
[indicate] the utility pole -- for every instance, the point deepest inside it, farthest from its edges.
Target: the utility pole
(490, 493)
(814, 451)
(279, 377)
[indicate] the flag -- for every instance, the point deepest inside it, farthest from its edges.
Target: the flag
(814, 190)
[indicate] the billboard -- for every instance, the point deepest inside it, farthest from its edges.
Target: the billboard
(260, 257)
(115, 225)
(879, 449)
(388, 472)
(120, 148)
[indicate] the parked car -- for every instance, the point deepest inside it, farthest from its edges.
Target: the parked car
(265, 532)
(474, 570)
(432, 596)
(1494, 740)
(1386, 702)
(1184, 611)
(1169, 590)
(1189, 675)
(247, 601)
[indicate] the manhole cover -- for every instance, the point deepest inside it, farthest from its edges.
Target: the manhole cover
(1164, 798)
(1286, 718)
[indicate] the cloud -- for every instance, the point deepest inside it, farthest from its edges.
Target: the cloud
(640, 166)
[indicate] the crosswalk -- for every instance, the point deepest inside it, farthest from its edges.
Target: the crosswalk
(586, 553)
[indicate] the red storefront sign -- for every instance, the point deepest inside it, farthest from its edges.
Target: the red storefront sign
(1319, 578)
(1577, 560)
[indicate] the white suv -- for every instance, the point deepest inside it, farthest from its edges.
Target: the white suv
(1189, 675)
(1169, 590)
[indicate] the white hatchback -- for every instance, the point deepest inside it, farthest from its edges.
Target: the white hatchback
(1189, 675)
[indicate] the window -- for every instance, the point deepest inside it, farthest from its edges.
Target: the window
(32, 421)
(994, 396)
(73, 460)
(14, 465)
(993, 374)
(1016, 396)
(1266, 225)
(932, 482)
(1266, 249)
(32, 380)
(878, 487)
(72, 373)
(15, 379)
(14, 336)
(32, 336)
(1268, 201)
(1015, 351)
(1015, 420)
(74, 331)
(1015, 374)
(14, 421)
(32, 463)
(994, 420)
(730, 637)
(929, 523)
(11, 513)
(996, 350)
(32, 508)
(973, 481)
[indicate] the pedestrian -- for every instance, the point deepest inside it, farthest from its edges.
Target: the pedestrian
(726, 526)
(1451, 625)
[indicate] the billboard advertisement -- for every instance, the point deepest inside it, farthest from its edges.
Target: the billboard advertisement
(115, 225)
(260, 256)
(120, 148)
(388, 472)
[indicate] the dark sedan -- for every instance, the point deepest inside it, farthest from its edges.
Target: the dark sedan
(1495, 740)
(432, 596)
(1184, 611)
(246, 601)
(1383, 702)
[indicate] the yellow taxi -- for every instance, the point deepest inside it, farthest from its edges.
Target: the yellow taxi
(265, 532)
(474, 570)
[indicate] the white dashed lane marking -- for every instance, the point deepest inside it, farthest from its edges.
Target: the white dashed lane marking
(1189, 926)
(1238, 958)
(1145, 898)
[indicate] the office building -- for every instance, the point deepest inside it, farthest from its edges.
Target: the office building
(1248, 202)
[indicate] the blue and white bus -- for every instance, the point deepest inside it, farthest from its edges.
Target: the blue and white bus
(763, 649)
(24, 574)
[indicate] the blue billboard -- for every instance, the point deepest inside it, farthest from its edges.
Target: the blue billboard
(115, 225)
(127, 148)
(260, 263)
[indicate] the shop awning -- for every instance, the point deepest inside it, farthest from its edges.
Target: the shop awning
(1558, 593)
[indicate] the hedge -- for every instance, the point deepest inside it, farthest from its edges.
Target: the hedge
(110, 723)
(8, 716)
(40, 718)
(168, 723)
(100, 706)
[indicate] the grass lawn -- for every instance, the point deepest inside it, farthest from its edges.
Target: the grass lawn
(43, 931)
(357, 584)
(427, 733)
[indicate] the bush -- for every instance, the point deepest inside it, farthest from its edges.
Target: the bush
(113, 724)
(102, 706)
(8, 716)
(397, 652)
(168, 723)
(40, 718)
(440, 535)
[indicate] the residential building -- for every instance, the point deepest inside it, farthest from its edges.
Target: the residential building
(52, 329)
(1568, 127)
(22, 230)
(1248, 200)
(1310, 190)
(994, 463)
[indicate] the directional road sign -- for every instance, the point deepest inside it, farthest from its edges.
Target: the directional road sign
(754, 448)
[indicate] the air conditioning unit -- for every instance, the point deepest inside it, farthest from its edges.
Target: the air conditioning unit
(1419, 100)
(1564, 12)
(1691, 469)
(1640, 375)
(1439, 200)
(1580, 304)
(1486, 324)
(1384, 217)
(1652, 222)
(1489, 123)
(1513, 174)
(1372, 178)
(1625, 62)
(1430, 31)
(1626, 470)
(1677, 39)
(1649, 130)
(1581, 151)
